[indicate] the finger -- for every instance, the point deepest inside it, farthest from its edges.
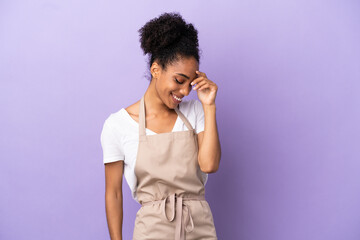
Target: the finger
(207, 85)
(200, 84)
(196, 80)
(201, 73)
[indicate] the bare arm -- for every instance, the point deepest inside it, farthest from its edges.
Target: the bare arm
(113, 198)
(209, 144)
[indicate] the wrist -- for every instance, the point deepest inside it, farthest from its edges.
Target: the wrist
(209, 107)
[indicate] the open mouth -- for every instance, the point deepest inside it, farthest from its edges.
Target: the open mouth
(176, 99)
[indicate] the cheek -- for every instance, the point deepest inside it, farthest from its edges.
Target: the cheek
(166, 86)
(170, 86)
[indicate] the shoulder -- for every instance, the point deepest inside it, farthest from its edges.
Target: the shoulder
(133, 109)
(117, 122)
(122, 115)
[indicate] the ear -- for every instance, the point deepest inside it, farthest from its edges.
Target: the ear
(155, 70)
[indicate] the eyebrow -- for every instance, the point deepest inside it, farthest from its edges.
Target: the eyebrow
(181, 74)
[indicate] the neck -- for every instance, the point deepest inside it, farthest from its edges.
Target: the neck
(153, 103)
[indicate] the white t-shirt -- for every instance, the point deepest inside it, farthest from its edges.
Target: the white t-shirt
(120, 137)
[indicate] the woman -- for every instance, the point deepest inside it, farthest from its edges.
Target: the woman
(166, 162)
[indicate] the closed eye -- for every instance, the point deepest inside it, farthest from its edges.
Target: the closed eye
(182, 83)
(178, 81)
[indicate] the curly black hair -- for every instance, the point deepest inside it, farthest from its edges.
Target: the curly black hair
(168, 38)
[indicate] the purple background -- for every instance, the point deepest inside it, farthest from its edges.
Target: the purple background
(287, 108)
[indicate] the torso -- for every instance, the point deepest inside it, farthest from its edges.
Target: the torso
(157, 124)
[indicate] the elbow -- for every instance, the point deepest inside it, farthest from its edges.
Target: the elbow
(210, 169)
(210, 166)
(114, 193)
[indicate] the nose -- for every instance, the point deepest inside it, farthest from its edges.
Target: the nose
(185, 90)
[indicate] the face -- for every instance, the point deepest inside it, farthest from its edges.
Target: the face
(174, 83)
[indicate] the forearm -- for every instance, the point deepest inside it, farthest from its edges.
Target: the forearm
(114, 214)
(210, 151)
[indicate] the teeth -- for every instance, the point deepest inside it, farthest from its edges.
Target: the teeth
(179, 99)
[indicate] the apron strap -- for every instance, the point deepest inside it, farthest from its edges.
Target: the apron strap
(142, 117)
(183, 118)
(142, 130)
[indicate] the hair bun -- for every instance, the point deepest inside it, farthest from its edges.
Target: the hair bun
(161, 32)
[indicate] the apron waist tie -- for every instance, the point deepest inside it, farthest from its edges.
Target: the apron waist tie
(179, 229)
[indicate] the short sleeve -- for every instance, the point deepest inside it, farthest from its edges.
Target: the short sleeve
(199, 112)
(111, 145)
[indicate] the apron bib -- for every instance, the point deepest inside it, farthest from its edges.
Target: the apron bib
(170, 186)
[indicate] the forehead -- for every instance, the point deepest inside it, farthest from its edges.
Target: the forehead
(187, 66)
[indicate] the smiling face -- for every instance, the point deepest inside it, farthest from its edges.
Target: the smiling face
(174, 83)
